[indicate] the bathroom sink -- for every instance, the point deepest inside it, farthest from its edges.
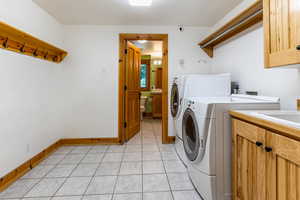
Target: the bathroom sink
(156, 91)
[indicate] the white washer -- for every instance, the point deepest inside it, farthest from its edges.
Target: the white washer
(195, 85)
(207, 140)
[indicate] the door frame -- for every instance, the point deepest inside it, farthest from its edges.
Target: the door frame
(123, 38)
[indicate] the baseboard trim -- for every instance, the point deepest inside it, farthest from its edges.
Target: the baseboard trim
(15, 174)
(89, 141)
(170, 140)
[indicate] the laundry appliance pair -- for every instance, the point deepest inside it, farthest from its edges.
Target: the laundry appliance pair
(200, 106)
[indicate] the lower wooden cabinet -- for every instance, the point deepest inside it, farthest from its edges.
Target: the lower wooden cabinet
(266, 165)
(157, 105)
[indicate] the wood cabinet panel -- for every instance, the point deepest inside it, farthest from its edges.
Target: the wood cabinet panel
(282, 32)
(268, 170)
(249, 177)
(249, 131)
(251, 181)
(158, 78)
(284, 165)
(157, 105)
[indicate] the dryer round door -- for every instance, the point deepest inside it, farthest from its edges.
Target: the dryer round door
(174, 100)
(190, 135)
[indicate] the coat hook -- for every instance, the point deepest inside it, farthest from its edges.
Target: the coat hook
(5, 45)
(35, 52)
(55, 58)
(22, 48)
(45, 56)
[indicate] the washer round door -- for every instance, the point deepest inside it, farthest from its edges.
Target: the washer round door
(190, 135)
(174, 100)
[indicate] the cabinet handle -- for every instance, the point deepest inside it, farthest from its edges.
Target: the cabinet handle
(268, 149)
(259, 144)
(298, 47)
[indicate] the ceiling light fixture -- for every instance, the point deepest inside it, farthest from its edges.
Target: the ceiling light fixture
(140, 2)
(142, 41)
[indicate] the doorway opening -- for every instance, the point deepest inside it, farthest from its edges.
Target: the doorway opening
(143, 84)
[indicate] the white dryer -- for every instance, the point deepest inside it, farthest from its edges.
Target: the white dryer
(206, 128)
(195, 85)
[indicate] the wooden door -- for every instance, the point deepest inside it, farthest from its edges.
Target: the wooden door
(249, 162)
(157, 105)
(282, 32)
(132, 91)
(283, 168)
(158, 78)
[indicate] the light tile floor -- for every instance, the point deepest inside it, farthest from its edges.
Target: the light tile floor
(142, 169)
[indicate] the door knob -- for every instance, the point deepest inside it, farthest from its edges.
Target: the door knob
(298, 47)
(268, 149)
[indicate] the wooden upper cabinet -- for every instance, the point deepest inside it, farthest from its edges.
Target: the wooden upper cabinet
(282, 32)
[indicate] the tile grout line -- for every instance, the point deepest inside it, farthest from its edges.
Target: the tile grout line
(142, 139)
(66, 178)
(94, 175)
(118, 174)
(142, 152)
(43, 176)
(172, 195)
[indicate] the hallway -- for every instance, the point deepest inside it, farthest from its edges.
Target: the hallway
(141, 169)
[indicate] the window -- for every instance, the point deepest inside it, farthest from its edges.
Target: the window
(145, 75)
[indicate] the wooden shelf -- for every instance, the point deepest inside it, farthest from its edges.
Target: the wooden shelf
(249, 17)
(18, 41)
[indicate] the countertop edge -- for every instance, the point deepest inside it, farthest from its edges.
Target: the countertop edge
(272, 126)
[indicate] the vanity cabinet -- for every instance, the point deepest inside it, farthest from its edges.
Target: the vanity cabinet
(157, 105)
(282, 32)
(266, 165)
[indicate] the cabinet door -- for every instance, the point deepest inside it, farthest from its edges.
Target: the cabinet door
(283, 168)
(282, 32)
(157, 106)
(249, 162)
(158, 78)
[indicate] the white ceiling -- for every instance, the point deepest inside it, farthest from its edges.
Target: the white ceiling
(119, 12)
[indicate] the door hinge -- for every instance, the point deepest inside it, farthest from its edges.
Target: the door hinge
(125, 87)
(125, 51)
(125, 124)
(120, 60)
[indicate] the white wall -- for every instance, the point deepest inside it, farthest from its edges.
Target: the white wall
(31, 103)
(92, 67)
(243, 56)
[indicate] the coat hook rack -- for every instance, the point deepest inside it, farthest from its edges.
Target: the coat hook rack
(18, 41)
